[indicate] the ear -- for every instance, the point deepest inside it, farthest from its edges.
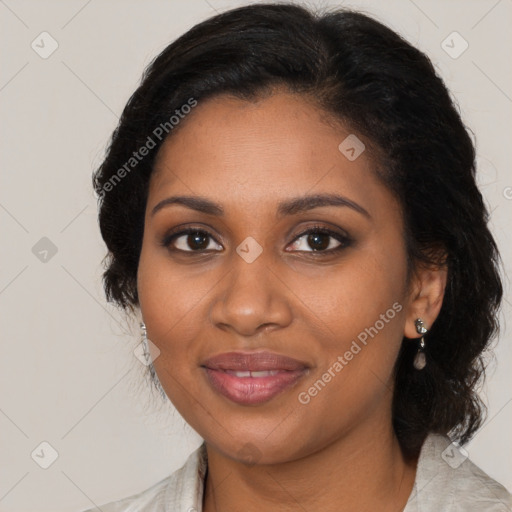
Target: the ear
(427, 289)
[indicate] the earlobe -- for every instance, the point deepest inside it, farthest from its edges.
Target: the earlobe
(429, 284)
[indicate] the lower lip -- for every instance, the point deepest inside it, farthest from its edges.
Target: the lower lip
(252, 390)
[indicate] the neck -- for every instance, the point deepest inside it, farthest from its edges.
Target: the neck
(363, 470)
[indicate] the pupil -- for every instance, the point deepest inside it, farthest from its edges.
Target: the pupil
(316, 243)
(197, 240)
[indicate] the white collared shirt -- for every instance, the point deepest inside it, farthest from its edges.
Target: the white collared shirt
(445, 481)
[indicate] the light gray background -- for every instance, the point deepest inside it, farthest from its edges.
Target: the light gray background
(67, 369)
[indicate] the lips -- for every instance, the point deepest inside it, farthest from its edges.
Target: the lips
(253, 362)
(252, 378)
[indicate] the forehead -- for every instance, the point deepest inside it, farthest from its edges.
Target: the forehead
(248, 152)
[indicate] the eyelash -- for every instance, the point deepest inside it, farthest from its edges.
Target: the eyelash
(344, 240)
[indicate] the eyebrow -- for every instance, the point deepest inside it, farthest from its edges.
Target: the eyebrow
(289, 207)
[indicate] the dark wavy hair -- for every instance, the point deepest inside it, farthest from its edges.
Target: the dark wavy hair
(381, 87)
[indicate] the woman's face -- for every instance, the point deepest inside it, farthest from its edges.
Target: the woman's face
(250, 281)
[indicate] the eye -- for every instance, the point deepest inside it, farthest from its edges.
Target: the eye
(191, 240)
(320, 239)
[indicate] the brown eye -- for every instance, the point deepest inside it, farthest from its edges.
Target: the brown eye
(320, 240)
(191, 240)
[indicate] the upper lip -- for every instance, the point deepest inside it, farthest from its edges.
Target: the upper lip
(253, 362)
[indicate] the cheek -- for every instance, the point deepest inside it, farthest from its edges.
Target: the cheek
(364, 316)
(166, 298)
(167, 291)
(354, 295)
(174, 303)
(169, 303)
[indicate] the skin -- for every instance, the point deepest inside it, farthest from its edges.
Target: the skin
(338, 452)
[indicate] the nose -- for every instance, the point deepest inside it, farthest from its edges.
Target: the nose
(252, 299)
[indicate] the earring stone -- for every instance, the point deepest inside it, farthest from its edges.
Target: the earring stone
(420, 326)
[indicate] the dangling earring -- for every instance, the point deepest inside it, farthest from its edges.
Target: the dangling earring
(149, 360)
(420, 360)
(145, 345)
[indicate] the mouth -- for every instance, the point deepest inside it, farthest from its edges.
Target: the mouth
(252, 378)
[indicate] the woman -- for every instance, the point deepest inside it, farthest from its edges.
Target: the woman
(289, 200)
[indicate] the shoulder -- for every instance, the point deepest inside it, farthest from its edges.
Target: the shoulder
(183, 490)
(447, 480)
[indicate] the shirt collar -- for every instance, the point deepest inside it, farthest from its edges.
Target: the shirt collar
(445, 479)
(186, 495)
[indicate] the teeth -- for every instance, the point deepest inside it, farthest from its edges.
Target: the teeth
(264, 373)
(253, 374)
(242, 374)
